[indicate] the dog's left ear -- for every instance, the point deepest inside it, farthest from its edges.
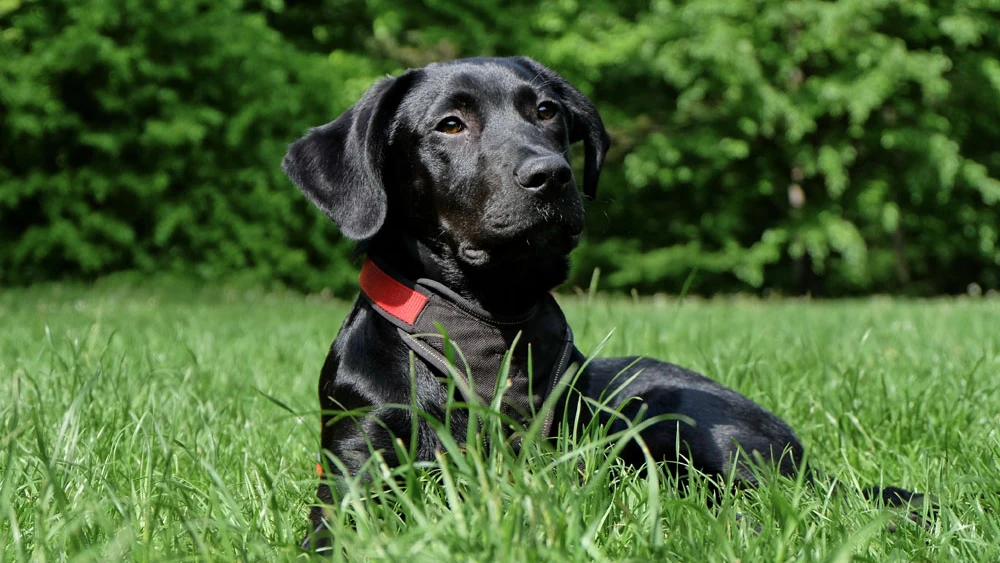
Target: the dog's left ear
(585, 123)
(339, 166)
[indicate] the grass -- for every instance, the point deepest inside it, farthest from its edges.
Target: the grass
(167, 423)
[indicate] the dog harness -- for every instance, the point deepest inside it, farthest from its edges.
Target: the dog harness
(437, 324)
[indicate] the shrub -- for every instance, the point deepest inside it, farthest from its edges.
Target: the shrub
(147, 135)
(830, 147)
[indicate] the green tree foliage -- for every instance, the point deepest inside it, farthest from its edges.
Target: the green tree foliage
(834, 147)
(147, 135)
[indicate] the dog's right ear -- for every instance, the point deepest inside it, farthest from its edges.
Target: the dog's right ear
(338, 166)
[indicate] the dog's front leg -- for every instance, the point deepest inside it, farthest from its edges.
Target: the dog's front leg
(345, 464)
(319, 538)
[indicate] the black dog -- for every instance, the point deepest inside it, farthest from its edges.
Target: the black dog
(455, 180)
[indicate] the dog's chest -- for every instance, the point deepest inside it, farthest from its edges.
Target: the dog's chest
(518, 359)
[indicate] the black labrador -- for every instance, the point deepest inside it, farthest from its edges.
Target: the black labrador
(456, 182)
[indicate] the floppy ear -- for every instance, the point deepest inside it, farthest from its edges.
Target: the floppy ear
(584, 124)
(338, 166)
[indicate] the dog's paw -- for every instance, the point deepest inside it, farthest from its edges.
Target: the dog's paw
(319, 539)
(914, 503)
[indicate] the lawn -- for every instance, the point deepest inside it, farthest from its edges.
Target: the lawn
(161, 422)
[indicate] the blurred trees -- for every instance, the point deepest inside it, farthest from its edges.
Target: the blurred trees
(833, 147)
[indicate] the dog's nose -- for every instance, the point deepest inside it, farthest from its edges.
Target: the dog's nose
(543, 175)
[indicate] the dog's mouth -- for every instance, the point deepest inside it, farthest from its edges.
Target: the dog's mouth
(473, 255)
(539, 241)
(519, 230)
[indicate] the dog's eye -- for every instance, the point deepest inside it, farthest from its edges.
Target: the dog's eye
(546, 111)
(450, 125)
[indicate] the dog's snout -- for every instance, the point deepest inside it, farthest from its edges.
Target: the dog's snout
(543, 175)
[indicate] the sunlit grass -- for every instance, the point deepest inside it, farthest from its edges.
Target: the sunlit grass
(169, 423)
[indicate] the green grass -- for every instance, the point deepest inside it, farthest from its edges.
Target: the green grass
(159, 423)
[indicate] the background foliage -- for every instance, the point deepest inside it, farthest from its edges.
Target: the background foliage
(830, 147)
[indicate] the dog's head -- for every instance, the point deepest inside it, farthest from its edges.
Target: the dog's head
(469, 157)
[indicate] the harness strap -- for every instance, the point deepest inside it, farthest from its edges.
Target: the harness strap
(538, 344)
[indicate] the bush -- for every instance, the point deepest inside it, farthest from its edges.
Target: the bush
(829, 147)
(147, 135)
(834, 147)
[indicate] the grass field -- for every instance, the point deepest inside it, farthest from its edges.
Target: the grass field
(166, 423)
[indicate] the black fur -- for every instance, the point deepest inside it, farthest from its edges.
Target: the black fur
(491, 211)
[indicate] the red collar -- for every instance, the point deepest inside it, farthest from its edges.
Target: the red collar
(391, 295)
